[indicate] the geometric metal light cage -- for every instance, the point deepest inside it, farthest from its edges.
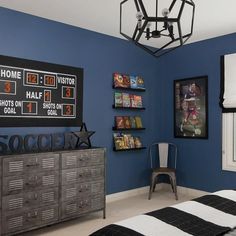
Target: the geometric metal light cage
(164, 27)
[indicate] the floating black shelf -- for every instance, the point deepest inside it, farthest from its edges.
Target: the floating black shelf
(127, 129)
(129, 108)
(128, 149)
(130, 89)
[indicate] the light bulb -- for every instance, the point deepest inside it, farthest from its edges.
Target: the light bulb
(139, 15)
(165, 12)
(149, 24)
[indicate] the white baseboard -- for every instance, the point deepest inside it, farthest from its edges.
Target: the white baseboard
(125, 194)
(186, 191)
(144, 190)
(191, 192)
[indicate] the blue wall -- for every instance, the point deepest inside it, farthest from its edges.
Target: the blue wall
(34, 38)
(199, 163)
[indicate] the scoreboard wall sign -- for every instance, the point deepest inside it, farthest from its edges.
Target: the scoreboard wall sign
(36, 93)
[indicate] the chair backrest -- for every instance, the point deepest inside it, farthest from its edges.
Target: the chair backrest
(163, 154)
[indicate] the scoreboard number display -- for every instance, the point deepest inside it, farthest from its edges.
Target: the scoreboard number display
(36, 93)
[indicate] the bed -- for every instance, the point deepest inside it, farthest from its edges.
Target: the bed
(212, 214)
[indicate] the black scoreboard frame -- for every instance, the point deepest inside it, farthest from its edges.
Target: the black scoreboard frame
(53, 68)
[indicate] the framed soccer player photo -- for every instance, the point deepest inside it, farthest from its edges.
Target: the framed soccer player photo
(190, 108)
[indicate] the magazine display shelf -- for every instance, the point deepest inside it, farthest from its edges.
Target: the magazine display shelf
(114, 128)
(127, 129)
(129, 108)
(129, 89)
(128, 149)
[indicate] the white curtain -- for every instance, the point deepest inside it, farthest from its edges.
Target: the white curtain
(229, 81)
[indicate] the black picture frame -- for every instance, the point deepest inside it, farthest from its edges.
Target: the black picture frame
(191, 108)
(23, 65)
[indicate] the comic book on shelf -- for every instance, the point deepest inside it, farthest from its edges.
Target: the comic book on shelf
(118, 99)
(119, 141)
(132, 122)
(133, 82)
(140, 82)
(137, 142)
(126, 100)
(126, 141)
(132, 102)
(127, 122)
(137, 101)
(131, 141)
(119, 122)
(138, 122)
(121, 81)
(126, 81)
(117, 80)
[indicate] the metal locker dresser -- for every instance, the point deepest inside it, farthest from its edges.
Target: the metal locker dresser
(46, 188)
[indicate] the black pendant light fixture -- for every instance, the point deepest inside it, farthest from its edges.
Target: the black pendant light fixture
(164, 25)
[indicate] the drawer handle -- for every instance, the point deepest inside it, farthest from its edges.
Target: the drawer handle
(31, 165)
(34, 198)
(32, 216)
(31, 184)
(81, 204)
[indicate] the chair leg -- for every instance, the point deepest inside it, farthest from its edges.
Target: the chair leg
(150, 191)
(153, 177)
(171, 183)
(174, 185)
(155, 183)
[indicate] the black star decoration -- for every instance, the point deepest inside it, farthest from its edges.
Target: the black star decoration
(83, 136)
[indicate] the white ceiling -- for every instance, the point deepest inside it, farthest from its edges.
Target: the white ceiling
(212, 17)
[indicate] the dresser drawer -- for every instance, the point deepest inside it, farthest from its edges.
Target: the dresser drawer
(74, 208)
(97, 157)
(28, 219)
(18, 165)
(74, 191)
(0, 195)
(33, 181)
(0, 189)
(83, 204)
(34, 199)
(71, 176)
(97, 202)
(83, 158)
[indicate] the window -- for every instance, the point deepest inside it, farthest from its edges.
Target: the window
(228, 104)
(229, 141)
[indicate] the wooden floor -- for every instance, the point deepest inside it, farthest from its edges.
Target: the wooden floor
(116, 211)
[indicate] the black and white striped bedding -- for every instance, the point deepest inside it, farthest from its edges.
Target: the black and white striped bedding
(213, 214)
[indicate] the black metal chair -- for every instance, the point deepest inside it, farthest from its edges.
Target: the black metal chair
(163, 158)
